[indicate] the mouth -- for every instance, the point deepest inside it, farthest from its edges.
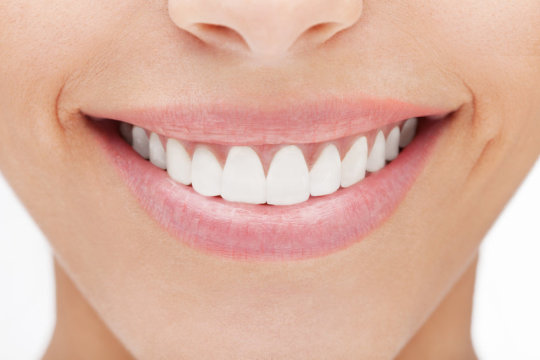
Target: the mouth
(262, 188)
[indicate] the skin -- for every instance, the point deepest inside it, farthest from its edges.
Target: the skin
(126, 288)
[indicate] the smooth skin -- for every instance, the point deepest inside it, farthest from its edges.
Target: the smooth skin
(128, 289)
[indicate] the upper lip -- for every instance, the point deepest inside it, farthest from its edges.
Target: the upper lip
(309, 122)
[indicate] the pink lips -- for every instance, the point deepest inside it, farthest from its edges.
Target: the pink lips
(317, 227)
(288, 123)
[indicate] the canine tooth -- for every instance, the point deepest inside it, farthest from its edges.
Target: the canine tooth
(178, 162)
(287, 182)
(243, 177)
(157, 152)
(140, 142)
(376, 159)
(206, 172)
(125, 131)
(408, 131)
(353, 167)
(325, 174)
(392, 144)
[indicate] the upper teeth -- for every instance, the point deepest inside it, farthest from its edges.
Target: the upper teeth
(157, 152)
(243, 176)
(288, 179)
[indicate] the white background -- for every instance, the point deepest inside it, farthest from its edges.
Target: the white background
(506, 321)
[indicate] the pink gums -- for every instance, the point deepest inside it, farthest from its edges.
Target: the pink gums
(317, 227)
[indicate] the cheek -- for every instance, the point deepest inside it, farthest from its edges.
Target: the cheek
(494, 46)
(483, 29)
(47, 42)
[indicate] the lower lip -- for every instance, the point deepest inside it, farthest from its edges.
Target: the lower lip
(317, 227)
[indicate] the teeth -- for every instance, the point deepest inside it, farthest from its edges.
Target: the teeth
(325, 175)
(408, 131)
(287, 182)
(125, 131)
(206, 172)
(376, 159)
(157, 152)
(353, 168)
(140, 142)
(243, 177)
(178, 162)
(392, 144)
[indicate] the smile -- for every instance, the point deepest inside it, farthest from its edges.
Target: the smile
(276, 175)
(214, 195)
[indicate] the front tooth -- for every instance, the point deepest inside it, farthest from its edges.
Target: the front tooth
(376, 159)
(140, 142)
(206, 172)
(287, 182)
(392, 144)
(353, 168)
(325, 174)
(243, 177)
(178, 162)
(125, 131)
(408, 131)
(157, 152)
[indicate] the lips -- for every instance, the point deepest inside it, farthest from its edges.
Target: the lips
(325, 201)
(273, 174)
(286, 122)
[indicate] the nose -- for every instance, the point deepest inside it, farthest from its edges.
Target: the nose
(264, 27)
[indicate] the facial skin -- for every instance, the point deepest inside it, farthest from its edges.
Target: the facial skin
(162, 299)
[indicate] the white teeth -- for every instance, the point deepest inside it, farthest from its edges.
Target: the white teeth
(325, 174)
(243, 177)
(178, 162)
(140, 142)
(353, 168)
(125, 131)
(206, 172)
(392, 144)
(376, 159)
(408, 131)
(287, 182)
(157, 152)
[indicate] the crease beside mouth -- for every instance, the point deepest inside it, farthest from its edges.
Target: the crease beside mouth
(284, 174)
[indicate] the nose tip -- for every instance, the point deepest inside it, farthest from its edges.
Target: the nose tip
(264, 27)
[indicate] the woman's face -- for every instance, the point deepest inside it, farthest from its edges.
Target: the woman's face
(228, 286)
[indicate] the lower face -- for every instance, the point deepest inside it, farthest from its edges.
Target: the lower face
(295, 263)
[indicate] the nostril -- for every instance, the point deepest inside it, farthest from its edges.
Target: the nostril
(220, 35)
(320, 32)
(322, 27)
